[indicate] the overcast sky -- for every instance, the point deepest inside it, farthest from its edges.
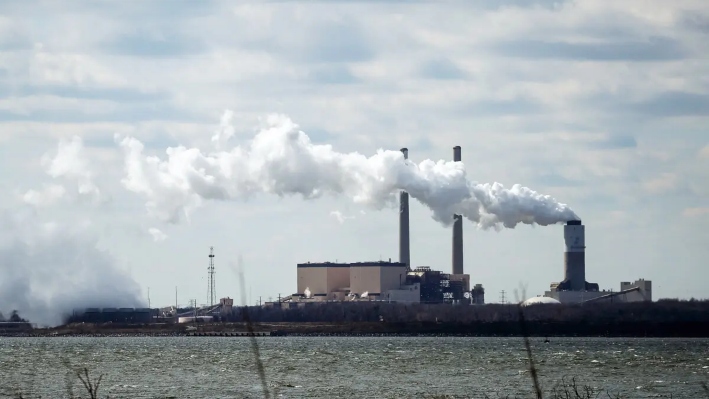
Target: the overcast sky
(603, 105)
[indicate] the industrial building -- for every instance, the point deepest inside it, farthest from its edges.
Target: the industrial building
(113, 315)
(392, 281)
(575, 289)
(337, 281)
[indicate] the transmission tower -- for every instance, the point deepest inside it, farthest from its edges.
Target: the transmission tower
(502, 297)
(210, 269)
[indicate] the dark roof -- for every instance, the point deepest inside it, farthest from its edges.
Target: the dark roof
(355, 264)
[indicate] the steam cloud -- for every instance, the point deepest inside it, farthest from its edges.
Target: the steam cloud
(71, 165)
(50, 268)
(282, 160)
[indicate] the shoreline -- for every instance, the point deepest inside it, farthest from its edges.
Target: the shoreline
(534, 329)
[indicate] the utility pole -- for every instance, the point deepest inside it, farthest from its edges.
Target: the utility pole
(502, 297)
(148, 297)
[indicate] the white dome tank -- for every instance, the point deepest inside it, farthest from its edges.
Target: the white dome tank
(537, 300)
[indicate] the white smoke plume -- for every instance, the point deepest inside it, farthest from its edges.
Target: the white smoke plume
(49, 269)
(225, 131)
(282, 160)
(49, 195)
(340, 217)
(68, 163)
(157, 234)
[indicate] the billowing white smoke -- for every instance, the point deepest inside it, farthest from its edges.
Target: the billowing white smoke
(282, 160)
(48, 268)
(307, 292)
(70, 164)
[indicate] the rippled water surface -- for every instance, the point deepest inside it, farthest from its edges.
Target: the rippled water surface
(221, 367)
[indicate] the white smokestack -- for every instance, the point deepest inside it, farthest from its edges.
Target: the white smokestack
(282, 160)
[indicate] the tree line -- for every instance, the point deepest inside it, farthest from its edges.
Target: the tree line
(663, 311)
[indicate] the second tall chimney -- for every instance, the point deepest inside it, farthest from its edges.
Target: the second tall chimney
(457, 229)
(404, 246)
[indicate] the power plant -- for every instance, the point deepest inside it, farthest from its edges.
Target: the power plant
(399, 282)
(392, 281)
(396, 282)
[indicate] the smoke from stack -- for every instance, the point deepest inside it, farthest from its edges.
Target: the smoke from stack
(457, 228)
(282, 160)
(404, 240)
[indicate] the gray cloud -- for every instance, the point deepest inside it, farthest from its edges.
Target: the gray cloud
(312, 42)
(85, 93)
(164, 44)
(135, 10)
(475, 4)
(615, 141)
(332, 74)
(123, 113)
(496, 4)
(694, 21)
(441, 68)
(491, 108)
(674, 103)
(14, 41)
(557, 180)
(338, 42)
(653, 49)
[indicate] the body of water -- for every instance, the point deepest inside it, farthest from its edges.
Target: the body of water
(304, 367)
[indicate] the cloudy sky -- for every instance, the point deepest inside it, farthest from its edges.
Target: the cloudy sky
(603, 105)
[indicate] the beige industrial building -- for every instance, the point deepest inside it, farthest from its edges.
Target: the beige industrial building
(376, 278)
(322, 279)
(337, 281)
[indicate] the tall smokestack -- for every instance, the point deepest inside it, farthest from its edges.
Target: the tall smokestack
(457, 229)
(404, 245)
(575, 256)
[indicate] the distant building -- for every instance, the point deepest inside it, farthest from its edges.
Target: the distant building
(384, 281)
